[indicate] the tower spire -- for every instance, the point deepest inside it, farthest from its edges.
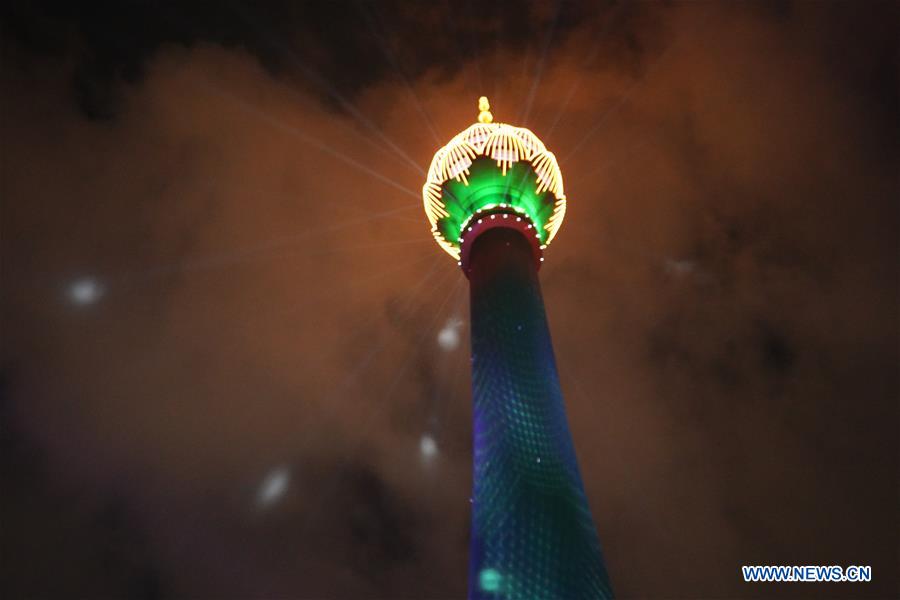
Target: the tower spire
(484, 106)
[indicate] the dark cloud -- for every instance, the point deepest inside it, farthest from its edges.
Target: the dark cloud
(333, 49)
(92, 547)
(723, 295)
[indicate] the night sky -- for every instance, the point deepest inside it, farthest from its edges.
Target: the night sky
(235, 364)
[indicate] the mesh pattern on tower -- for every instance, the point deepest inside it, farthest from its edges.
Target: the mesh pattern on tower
(532, 531)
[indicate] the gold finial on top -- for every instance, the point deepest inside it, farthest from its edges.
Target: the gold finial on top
(484, 106)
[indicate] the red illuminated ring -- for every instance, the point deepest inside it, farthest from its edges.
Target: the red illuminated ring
(484, 222)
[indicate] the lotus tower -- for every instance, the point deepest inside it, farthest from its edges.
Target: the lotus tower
(495, 200)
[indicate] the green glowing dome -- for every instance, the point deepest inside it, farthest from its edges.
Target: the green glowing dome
(493, 168)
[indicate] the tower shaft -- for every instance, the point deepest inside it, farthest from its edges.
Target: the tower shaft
(532, 532)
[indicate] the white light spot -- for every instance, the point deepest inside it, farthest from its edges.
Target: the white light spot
(273, 487)
(85, 291)
(428, 447)
(448, 337)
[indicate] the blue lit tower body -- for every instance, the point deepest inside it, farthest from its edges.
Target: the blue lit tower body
(495, 200)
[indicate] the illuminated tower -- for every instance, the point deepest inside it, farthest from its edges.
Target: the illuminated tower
(494, 198)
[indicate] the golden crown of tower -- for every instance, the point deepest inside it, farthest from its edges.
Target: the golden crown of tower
(490, 167)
